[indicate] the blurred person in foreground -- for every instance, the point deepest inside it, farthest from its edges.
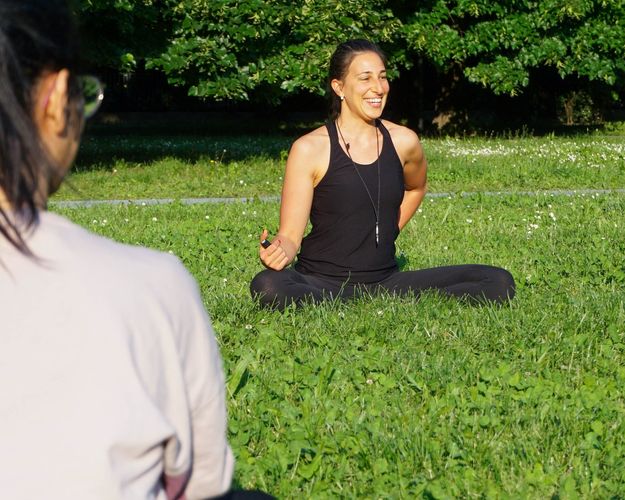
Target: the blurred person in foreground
(359, 179)
(111, 381)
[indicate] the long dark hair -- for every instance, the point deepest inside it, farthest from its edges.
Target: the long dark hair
(35, 36)
(343, 56)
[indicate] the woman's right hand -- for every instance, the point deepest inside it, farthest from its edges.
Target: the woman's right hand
(274, 256)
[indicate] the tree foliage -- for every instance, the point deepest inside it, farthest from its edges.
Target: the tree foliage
(118, 34)
(497, 44)
(224, 48)
(229, 49)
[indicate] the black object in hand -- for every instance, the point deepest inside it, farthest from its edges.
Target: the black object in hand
(265, 243)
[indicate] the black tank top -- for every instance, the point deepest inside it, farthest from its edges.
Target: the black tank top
(341, 243)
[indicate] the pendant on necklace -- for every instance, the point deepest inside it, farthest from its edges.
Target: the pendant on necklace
(376, 210)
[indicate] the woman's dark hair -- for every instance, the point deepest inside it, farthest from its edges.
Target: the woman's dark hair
(343, 56)
(35, 36)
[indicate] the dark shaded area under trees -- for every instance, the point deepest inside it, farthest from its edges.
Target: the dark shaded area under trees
(455, 65)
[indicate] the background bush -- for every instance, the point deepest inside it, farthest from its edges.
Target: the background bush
(517, 59)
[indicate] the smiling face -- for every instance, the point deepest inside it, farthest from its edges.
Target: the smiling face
(364, 87)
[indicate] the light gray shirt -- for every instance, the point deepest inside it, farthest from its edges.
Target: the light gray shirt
(111, 383)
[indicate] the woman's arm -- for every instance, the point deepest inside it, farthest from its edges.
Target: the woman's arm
(415, 171)
(302, 169)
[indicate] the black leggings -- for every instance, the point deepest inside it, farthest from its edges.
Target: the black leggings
(476, 282)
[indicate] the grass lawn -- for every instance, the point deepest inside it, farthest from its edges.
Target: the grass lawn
(402, 398)
(133, 166)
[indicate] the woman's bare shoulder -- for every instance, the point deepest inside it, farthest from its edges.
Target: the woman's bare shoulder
(312, 142)
(311, 154)
(401, 133)
(406, 142)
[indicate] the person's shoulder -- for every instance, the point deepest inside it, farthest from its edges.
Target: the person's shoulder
(106, 257)
(311, 142)
(406, 142)
(310, 153)
(401, 133)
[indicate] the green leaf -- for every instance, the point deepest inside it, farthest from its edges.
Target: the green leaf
(308, 470)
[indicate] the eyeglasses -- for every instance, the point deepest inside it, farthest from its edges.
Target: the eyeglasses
(93, 94)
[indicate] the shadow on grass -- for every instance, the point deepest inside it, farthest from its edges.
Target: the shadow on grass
(148, 137)
(233, 136)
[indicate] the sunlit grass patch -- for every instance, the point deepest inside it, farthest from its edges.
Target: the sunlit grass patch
(394, 397)
(528, 163)
(122, 167)
(175, 178)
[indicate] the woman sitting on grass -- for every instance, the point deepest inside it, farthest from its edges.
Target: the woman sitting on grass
(359, 179)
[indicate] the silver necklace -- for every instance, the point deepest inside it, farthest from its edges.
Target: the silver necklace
(376, 211)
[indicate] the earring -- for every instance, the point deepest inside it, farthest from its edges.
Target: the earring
(342, 98)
